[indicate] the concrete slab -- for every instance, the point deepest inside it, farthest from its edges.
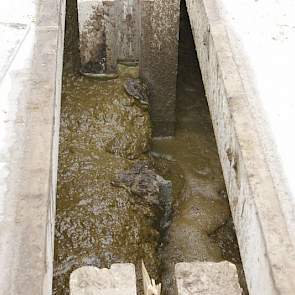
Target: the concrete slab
(207, 278)
(119, 279)
(250, 111)
(30, 87)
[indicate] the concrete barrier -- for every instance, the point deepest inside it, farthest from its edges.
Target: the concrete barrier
(30, 87)
(257, 197)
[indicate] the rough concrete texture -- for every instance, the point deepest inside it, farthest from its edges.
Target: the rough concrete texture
(159, 58)
(207, 278)
(30, 86)
(127, 15)
(263, 229)
(119, 279)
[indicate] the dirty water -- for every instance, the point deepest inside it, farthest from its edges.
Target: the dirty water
(104, 131)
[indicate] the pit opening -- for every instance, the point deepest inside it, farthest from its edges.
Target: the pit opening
(104, 133)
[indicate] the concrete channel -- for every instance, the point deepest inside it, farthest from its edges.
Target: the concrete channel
(256, 169)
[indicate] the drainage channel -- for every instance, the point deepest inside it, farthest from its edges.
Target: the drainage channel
(105, 215)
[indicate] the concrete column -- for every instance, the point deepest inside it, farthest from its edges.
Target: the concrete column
(128, 30)
(159, 28)
(111, 35)
(92, 36)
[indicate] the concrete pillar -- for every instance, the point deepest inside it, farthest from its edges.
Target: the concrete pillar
(119, 279)
(207, 278)
(92, 36)
(111, 35)
(159, 31)
(128, 30)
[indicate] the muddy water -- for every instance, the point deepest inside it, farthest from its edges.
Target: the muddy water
(103, 132)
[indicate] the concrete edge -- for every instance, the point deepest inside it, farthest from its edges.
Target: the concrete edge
(30, 92)
(47, 287)
(266, 248)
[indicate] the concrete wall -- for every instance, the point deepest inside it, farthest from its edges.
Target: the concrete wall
(30, 85)
(258, 199)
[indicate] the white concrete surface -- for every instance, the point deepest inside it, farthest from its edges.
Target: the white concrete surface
(207, 278)
(120, 279)
(245, 50)
(262, 35)
(31, 49)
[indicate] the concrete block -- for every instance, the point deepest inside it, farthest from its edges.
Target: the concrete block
(119, 279)
(207, 278)
(30, 87)
(159, 60)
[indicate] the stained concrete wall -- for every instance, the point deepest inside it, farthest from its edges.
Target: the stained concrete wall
(260, 201)
(30, 85)
(159, 26)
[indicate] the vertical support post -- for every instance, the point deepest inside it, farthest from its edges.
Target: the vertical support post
(159, 60)
(111, 35)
